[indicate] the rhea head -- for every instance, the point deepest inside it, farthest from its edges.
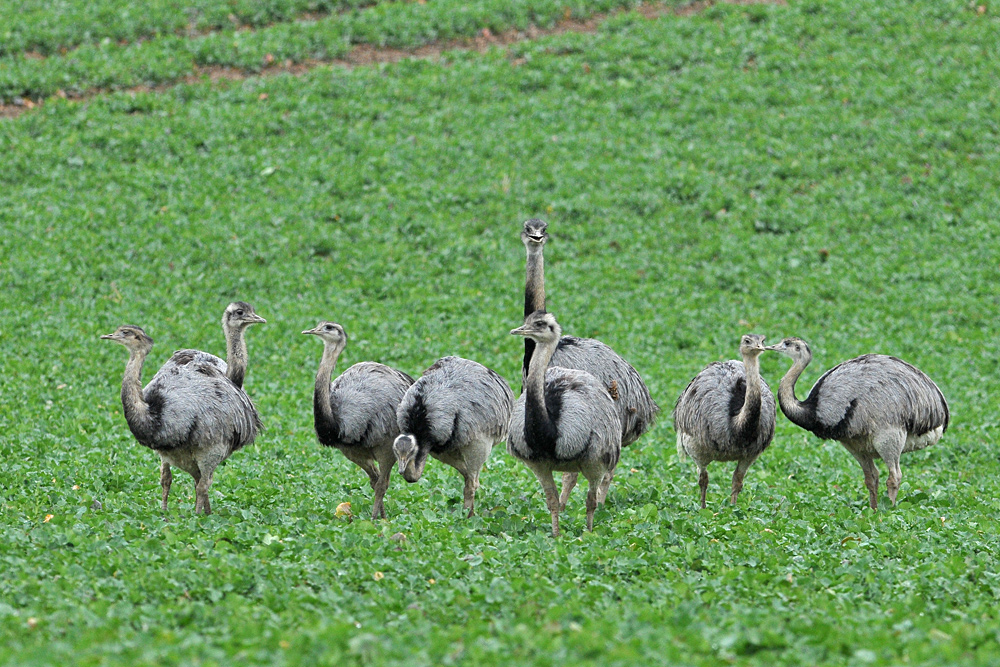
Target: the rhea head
(239, 315)
(330, 333)
(132, 337)
(411, 460)
(533, 233)
(796, 348)
(751, 345)
(539, 326)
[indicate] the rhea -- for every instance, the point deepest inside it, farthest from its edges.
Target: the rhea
(356, 414)
(726, 413)
(875, 405)
(565, 420)
(455, 412)
(636, 409)
(194, 412)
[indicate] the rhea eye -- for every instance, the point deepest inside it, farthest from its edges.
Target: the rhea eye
(329, 328)
(240, 312)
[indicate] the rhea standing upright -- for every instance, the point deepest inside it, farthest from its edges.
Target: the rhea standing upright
(876, 406)
(635, 407)
(356, 414)
(194, 412)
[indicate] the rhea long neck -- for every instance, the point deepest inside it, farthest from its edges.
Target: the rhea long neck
(540, 430)
(236, 354)
(136, 409)
(324, 412)
(534, 298)
(747, 419)
(796, 411)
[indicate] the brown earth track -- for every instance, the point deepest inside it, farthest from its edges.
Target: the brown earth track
(365, 54)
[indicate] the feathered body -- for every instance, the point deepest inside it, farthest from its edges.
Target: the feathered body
(363, 401)
(356, 414)
(636, 409)
(455, 412)
(194, 412)
(578, 429)
(635, 406)
(565, 420)
(192, 405)
(875, 405)
(726, 414)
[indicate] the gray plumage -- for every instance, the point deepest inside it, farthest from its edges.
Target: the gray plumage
(636, 408)
(456, 412)
(726, 413)
(192, 413)
(565, 420)
(875, 405)
(356, 414)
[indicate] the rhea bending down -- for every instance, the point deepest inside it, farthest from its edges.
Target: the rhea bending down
(565, 420)
(194, 412)
(456, 412)
(726, 413)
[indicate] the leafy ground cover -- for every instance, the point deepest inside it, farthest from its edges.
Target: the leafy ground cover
(170, 57)
(46, 27)
(828, 170)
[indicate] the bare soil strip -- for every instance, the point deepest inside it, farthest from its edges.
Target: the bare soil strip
(365, 54)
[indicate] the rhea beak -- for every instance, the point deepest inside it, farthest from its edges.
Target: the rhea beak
(108, 337)
(311, 331)
(254, 318)
(520, 331)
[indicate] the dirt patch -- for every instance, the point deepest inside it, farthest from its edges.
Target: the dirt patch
(365, 54)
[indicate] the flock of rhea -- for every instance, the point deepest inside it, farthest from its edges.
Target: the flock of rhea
(581, 403)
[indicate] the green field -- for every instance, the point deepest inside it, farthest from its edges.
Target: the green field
(112, 61)
(829, 170)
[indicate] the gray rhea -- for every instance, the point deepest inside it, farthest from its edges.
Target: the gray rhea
(876, 406)
(194, 412)
(565, 420)
(356, 414)
(636, 409)
(726, 413)
(455, 412)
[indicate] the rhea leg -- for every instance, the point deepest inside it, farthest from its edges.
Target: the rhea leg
(593, 486)
(201, 502)
(469, 492)
(475, 458)
(569, 480)
(602, 489)
(206, 471)
(165, 480)
(738, 474)
(871, 476)
(895, 478)
(889, 445)
(703, 482)
(381, 485)
(544, 476)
